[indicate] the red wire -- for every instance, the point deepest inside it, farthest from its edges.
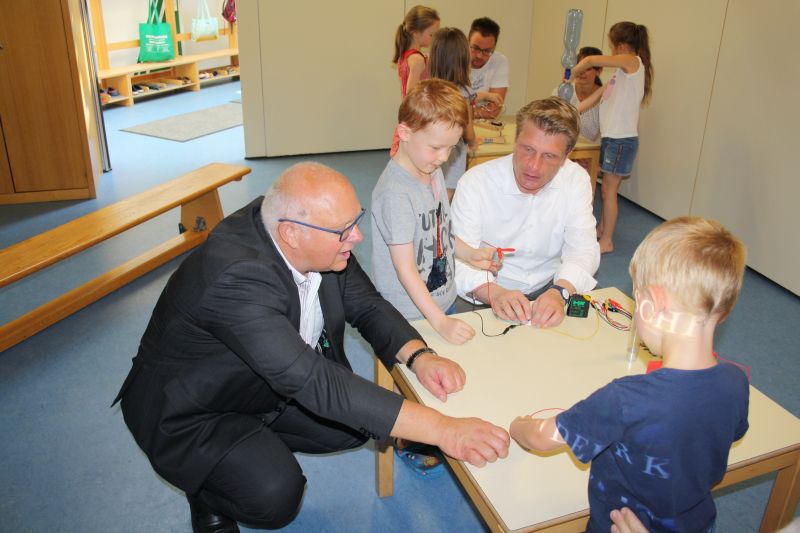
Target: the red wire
(746, 368)
(547, 409)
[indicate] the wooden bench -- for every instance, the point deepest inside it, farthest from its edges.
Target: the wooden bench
(183, 66)
(195, 193)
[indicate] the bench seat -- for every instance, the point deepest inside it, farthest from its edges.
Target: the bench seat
(195, 193)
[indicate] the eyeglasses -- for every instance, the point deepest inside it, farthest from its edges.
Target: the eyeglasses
(481, 51)
(342, 233)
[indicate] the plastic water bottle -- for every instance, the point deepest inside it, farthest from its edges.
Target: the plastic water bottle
(572, 36)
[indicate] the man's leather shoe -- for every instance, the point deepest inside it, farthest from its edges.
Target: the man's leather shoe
(206, 520)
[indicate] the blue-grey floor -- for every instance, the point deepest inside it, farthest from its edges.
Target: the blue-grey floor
(69, 464)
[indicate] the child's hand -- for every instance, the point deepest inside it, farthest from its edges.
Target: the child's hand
(518, 427)
(481, 258)
(454, 330)
(494, 98)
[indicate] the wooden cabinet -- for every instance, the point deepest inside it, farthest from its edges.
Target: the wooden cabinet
(45, 104)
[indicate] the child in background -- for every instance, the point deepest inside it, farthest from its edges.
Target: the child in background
(628, 89)
(416, 32)
(588, 85)
(659, 442)
(450, 61)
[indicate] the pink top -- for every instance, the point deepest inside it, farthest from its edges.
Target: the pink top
(402, 69)
(402, 72)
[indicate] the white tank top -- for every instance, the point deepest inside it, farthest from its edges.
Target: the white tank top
(619, 106)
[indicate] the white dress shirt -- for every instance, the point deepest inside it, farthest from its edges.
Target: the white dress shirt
(311, 319)
(553, 230)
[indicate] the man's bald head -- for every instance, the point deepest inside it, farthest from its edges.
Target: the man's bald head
(303, 192)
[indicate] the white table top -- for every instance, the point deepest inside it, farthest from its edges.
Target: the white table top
(530, 369)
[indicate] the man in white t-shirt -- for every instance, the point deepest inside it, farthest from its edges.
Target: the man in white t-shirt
(489, 72)
(539, 203)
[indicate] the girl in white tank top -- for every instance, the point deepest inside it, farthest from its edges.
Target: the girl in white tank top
(629, 88)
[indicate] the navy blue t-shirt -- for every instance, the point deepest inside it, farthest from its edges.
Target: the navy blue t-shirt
(658, 442)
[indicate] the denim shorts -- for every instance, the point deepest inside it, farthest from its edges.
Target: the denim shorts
(617, 155)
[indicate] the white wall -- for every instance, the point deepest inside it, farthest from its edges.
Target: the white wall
(747, 178)
(717, 137)
(318, 77)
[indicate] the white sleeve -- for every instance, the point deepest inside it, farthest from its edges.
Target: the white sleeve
(580, 256)
(500, 75)
(466, 212)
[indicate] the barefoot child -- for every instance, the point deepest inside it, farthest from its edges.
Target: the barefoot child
(659, 442)
(624, 94)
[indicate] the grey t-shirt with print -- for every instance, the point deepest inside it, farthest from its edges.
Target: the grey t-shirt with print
(404, 211)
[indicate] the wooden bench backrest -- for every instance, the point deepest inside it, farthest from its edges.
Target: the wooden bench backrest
(40, 251)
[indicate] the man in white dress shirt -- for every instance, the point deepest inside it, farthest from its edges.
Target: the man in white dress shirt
(539, 203)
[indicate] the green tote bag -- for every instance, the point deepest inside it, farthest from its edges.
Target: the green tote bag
(155, 36)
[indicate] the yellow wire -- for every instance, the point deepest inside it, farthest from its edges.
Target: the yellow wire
(596, 329)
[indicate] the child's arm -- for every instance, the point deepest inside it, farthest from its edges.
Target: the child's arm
(627, 62)
(539, 434)
(416, 66)
(469, 131)
(480, 258)
(591, 100)
(451, 329)
(491, 102)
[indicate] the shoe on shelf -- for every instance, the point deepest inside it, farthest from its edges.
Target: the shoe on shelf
(112, 91)
(206, 520)
(423, 459)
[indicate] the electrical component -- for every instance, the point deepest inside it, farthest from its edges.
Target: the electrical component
(578, 306)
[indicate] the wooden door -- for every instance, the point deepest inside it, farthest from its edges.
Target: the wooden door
(6, 185)
(38, 98)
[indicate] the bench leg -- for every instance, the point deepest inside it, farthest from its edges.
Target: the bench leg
(202, 213)
(384, 454)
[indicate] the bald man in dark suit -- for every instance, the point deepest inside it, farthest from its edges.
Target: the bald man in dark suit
(243, 360)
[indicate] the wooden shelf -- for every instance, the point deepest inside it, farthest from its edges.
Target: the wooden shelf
(116, 99)
(122, 78)
(218, 76)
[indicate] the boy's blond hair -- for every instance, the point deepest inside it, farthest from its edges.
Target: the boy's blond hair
(696, 260)
(431, 101)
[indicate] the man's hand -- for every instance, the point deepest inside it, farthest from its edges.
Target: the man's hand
(625, 521)
(510, 305)
(454, 330)
(548, 309)
(474, 440)
(439, 375)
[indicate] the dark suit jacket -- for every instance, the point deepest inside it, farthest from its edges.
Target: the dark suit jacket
(222, 348)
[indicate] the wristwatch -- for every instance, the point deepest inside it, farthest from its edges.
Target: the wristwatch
(563, 292)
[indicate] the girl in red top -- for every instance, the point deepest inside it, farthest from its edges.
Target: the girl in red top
(416, 32)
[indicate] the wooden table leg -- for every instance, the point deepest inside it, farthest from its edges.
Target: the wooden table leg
(384, 454)
(784, 497)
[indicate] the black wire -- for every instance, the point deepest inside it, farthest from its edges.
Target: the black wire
(509, 328)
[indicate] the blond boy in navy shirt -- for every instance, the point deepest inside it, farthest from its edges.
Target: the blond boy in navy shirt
(659, 442)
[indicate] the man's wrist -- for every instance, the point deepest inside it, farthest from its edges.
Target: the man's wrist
(417, 354)
(563, 292)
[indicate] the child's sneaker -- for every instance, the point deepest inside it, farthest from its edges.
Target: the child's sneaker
(423, 459)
